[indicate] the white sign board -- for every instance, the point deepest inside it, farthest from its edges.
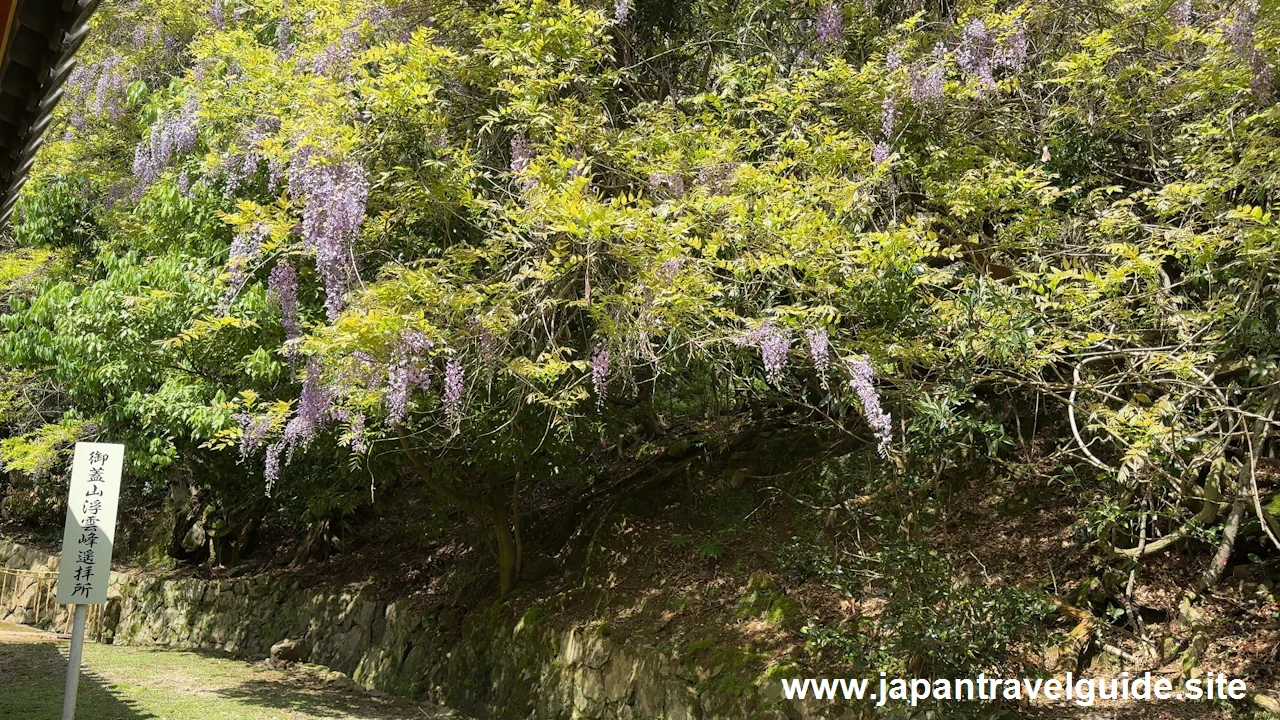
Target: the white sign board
(91, 524)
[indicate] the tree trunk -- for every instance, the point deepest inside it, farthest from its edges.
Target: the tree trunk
(507, 555)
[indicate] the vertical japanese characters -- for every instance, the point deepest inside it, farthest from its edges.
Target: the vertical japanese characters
(90, 508)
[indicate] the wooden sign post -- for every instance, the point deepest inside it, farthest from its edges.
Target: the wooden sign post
(87, 542)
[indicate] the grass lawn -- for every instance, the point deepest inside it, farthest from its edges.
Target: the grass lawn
(137, 683)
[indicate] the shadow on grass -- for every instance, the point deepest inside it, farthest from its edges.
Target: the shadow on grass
(32, 678)
(312, 699)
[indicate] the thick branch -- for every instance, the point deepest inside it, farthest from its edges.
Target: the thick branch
(1223, 555)
(444, 491)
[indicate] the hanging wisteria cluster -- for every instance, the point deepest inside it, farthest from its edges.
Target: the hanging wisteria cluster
(253, 431)
(282, 286)
(271, 469)
(245, 249)
(927, 78)
(670, 269)
(97, 90)
(1240, 30)
(1239, 34)
(670, 185)
(622, 11)
(979, 55)
(284, 37)
(819, 351)
(522, 155)
(1180, 13)
(861, 380)
(830, 25)
(407, 371)
(888, 121)
(451, 394)
(880, 152)
(315, 408)
(218, 15)
(144, 36)
(600, 375)
(169, 137)
(334, 194)
(773, 343)
(974, 53)
(716, 177)
(888, 116)
(356, 434)
(1012, 52)
(338, 54)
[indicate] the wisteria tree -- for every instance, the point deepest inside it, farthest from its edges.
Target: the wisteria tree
(472, 244)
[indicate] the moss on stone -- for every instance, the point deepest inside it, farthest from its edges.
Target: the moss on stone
(782, 612)
(531, 618)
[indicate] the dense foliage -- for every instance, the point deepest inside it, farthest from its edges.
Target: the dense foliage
(300, 248)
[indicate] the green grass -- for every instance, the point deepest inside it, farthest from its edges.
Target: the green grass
(142, 683)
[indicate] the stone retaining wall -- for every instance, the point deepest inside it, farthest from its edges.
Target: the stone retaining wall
(486, 663)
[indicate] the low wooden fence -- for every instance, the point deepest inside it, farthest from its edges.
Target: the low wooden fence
(37, 590)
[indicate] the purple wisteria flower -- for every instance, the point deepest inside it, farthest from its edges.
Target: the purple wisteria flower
(893, 60)
(218, 14)
(1240, 31)
(101, 88)
(357, 442)
(1012, 52)
(334, 196)
(861, 376)
(1262, 80)
(170, 46)
(1240, 34)
(282, 286)
(667, 184)
(888, 117)
(452, 392)
(1180, 13)
(671, 268)
(773, 343)
(253, 431)
(239, 167)
(927, 84)
(271, 469)
(489, 345)
(522, 155)
(928, 78)
(622, 11)
(284, 37)
(245, 249)
(717, 178)
(974, 54)
(830, 25)
(819, 351)
(600, 375)
(408, 370)
(338, 54)
(169, 137)
(315, 408)
(144, 36)
(275, 174)
(880, 152)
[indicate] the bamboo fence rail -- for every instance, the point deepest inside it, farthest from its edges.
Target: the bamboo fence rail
(15, 583)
